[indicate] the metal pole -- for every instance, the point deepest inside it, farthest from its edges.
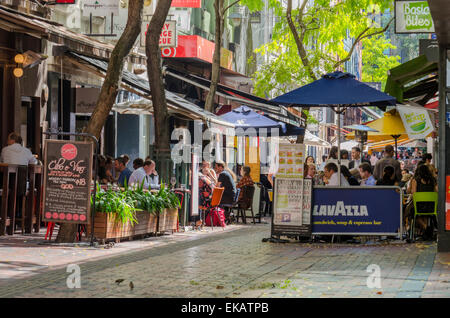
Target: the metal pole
(443, 235)
(396, 154)
(112, 22)
(90, 23)
(339, 144)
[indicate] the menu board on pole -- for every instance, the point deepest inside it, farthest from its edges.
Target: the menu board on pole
(67, 181)
(288, 202)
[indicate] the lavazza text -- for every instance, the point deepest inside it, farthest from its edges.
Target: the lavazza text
(340, 209)
(229, 308)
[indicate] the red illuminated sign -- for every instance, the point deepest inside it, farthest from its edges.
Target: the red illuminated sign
(194, 46)
(187, 3)
(65, 2)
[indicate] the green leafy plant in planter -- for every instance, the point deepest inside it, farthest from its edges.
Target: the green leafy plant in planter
(169, 199)
(118, 204)
(144, 200)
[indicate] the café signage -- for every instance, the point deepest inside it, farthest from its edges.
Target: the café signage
(67, 181)
(86, 99)
(292, 193)
(357, 210)
(413, 17)
(417, 122)
(100, 8)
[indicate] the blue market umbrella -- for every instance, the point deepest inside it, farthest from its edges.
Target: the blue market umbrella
(338, 90)
(245, 118)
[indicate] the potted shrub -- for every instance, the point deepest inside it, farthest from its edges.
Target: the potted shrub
(170, 204)
(115, 214)
(146, 214)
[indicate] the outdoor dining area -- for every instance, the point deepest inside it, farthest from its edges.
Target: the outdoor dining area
(20, 195)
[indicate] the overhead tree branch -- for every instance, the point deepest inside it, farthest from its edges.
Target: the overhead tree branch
(299, 40)
(225, 10)
(360, 37)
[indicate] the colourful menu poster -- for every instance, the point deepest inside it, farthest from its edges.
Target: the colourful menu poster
(291, 158)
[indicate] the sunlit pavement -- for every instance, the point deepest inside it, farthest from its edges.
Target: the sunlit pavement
(237, 263)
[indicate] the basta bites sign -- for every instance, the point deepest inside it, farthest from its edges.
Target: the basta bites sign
(168, 37)
(67, 181)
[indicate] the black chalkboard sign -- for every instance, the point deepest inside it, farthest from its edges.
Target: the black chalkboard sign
(67, 181)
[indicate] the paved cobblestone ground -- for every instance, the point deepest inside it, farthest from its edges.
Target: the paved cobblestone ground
(238, 264)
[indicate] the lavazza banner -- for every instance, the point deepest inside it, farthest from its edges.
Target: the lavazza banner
(357, 210)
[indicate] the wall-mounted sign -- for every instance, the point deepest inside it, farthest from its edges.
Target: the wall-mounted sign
(168, 37)
(67, 181)
(413, 17)
(417, 122)
(197, 47)
(86, 99)
(100, 8)
(187, 3)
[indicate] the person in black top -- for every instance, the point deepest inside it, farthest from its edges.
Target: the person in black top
(227, 180)
(388, 178)
(423, 181)
(348, 175)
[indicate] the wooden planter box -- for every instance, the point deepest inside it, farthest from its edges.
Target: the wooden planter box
(162, 221)
(171, 220)
(168, 220)
(106, 227)
(146, 223)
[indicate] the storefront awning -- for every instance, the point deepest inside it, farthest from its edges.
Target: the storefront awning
(15, 21)
(271, 109)
(177, 105)
(401, 76)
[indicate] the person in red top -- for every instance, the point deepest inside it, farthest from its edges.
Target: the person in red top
(246, 180)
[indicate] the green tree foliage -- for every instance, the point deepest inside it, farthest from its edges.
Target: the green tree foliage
(376, 63)
(322, 28)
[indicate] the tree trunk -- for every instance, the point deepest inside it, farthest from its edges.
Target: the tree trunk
(302, 53)
(155, 78)
(108, 93)
(215, 69)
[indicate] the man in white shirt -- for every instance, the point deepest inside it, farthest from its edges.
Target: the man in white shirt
(146, 174)
(357, 160)
(15, 153)
(331, 173)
